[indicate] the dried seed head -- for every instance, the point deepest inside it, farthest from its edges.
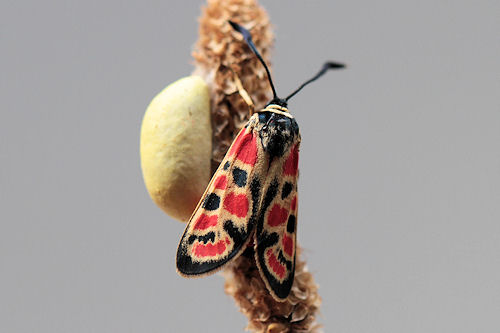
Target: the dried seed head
(265, 314)
(220, 53)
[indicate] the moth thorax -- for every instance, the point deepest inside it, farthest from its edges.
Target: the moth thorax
(277, 131)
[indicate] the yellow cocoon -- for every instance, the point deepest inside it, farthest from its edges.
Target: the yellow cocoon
(176, 146)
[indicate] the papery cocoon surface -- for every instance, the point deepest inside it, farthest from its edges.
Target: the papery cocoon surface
(176, 146)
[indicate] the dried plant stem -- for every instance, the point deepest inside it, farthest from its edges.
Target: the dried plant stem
(219, 55)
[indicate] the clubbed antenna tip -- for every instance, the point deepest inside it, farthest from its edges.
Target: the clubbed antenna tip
(331, 64)
(326, 66)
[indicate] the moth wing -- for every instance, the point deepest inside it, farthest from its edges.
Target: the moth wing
(277, 225)
(219, 227)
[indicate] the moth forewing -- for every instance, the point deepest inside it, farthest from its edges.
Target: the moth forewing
(224, 219)
(276, 231)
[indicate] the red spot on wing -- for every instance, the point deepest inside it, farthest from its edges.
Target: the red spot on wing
(288, 245)
(293, 205)
(237, 142)
(204, 222)
(210, 249)
(236, 204)
(292, 162)
(275, 265)
(220, 183)
(245, 148)
(277, 216)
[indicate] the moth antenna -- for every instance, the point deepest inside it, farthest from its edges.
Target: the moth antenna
(328, 65)
(248, 39)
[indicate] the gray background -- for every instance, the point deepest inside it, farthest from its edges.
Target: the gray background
(400, 165)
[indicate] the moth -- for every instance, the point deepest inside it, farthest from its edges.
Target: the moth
(251, 201)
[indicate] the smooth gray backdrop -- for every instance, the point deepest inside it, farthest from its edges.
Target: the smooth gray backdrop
(400, 165)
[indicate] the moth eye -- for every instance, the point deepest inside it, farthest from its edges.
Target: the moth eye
(263, 117)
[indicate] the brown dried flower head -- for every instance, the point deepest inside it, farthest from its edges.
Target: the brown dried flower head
(265, 314)
(220, 54)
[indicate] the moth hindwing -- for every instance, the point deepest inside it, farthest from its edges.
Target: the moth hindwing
(252, 196)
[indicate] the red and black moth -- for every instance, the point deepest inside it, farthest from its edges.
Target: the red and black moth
(251, 202)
